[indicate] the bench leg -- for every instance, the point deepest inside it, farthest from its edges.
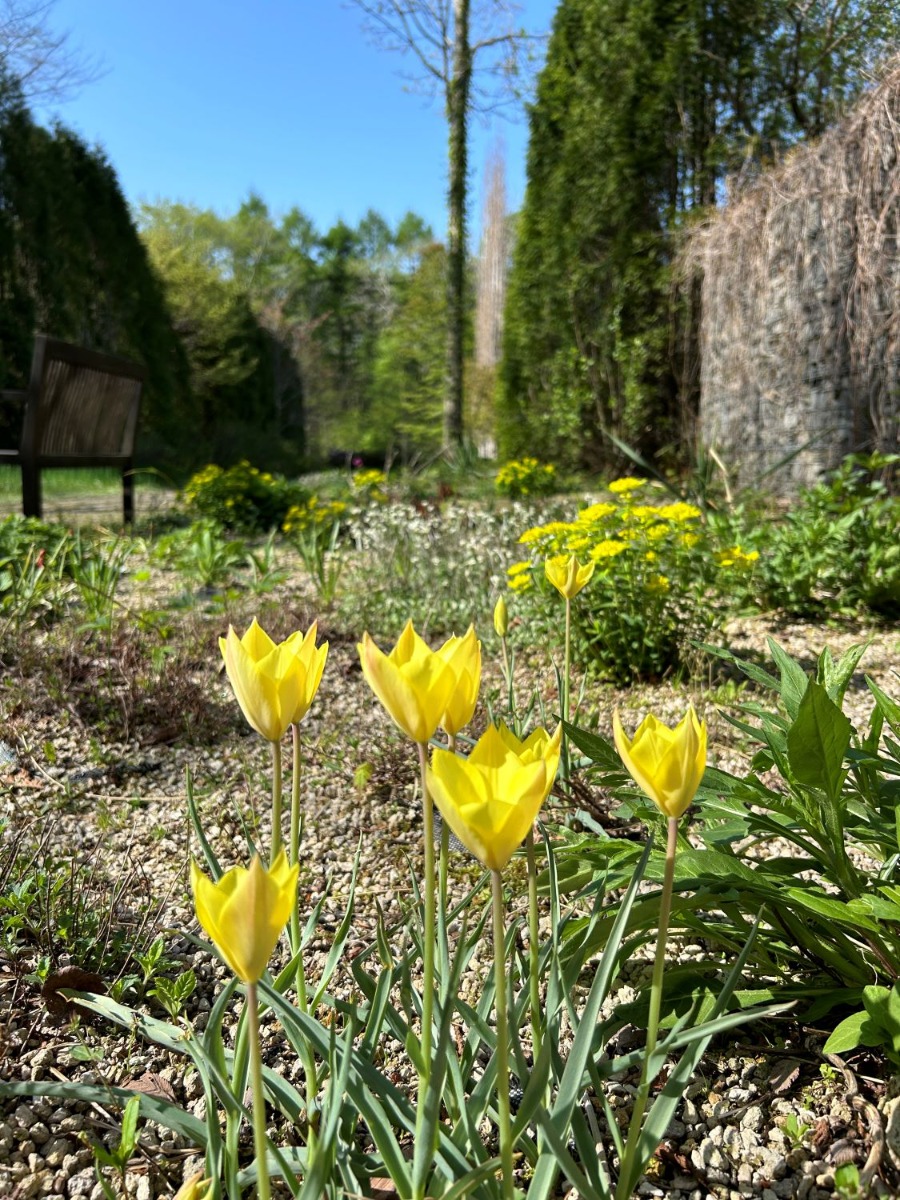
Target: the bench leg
(31, 490)
(128, 494)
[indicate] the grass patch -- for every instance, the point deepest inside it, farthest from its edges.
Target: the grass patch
(68, 481)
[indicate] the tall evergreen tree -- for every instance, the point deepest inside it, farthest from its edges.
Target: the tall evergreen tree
(642, 108)
(72, 265)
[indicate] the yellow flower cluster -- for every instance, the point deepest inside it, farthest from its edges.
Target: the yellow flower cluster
(370, 485)
(602, 531)
(314, 512)
(199, 480)
(736, 557)
(525, 477)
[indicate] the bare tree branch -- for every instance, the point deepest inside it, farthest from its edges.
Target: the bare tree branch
(43, 62)
(446, 37)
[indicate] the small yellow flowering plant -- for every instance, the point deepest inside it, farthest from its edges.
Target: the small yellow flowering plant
(660, 584)
(525, 477)
(241, 497)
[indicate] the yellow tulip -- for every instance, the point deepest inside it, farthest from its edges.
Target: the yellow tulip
(275, 684)
(667, 764)
(463, 656)
(490, 800)
(245, 912)
(413, 682)
(567, 575)
(536, 746)
(198, 1187)
(501, 618)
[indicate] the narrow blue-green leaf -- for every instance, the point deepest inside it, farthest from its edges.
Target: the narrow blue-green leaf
(209, 854)
(152, 1108)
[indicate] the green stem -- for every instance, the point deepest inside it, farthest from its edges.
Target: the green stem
(276, 800)
(656, 986)
(510, 695)
(259, 1100)
(504, 1123)
(429, 934)
(567, 665)
(443, 887)
(534, 976)
(309, 1061)
(568, 662)
(294, 855)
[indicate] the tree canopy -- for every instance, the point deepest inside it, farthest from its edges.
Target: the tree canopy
(642, 109)
(72, 264)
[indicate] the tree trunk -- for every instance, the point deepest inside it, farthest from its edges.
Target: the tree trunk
(457, 120)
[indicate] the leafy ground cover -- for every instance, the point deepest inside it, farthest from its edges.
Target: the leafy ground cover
(113, 688)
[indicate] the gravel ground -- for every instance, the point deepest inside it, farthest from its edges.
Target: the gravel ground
(121, 808)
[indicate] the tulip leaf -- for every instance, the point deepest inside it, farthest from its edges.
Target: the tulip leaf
(209, 854)
(152, 1108)
(818, 741)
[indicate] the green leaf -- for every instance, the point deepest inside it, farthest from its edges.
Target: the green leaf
(835, 676)
(888, 707)
(818, 741)
(597, 748)
(152, 1107)
(856, 1030)
(794, 679)
(128, 1140)
(830, 908)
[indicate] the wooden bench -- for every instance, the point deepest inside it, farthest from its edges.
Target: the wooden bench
(80, 410)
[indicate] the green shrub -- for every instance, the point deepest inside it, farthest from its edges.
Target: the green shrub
(242, 497)
(835, 550)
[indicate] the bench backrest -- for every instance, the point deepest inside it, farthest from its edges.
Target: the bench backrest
(81, 404)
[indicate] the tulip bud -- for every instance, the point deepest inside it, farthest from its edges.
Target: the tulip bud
(196, 1188)
(501, 618)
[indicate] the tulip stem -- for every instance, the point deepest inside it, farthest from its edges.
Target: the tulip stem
(510, 696)
(259, 1100)
(276, 800)
(443, 871)
(293, 857)
(429, 932)
(656, 986)
(534, 976)
(504, 1125)
(564, 699)
(568, 662)
(309, 1061)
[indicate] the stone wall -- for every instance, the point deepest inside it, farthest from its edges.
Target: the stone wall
(800, 325)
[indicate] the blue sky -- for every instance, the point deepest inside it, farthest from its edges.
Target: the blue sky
(204, 100)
